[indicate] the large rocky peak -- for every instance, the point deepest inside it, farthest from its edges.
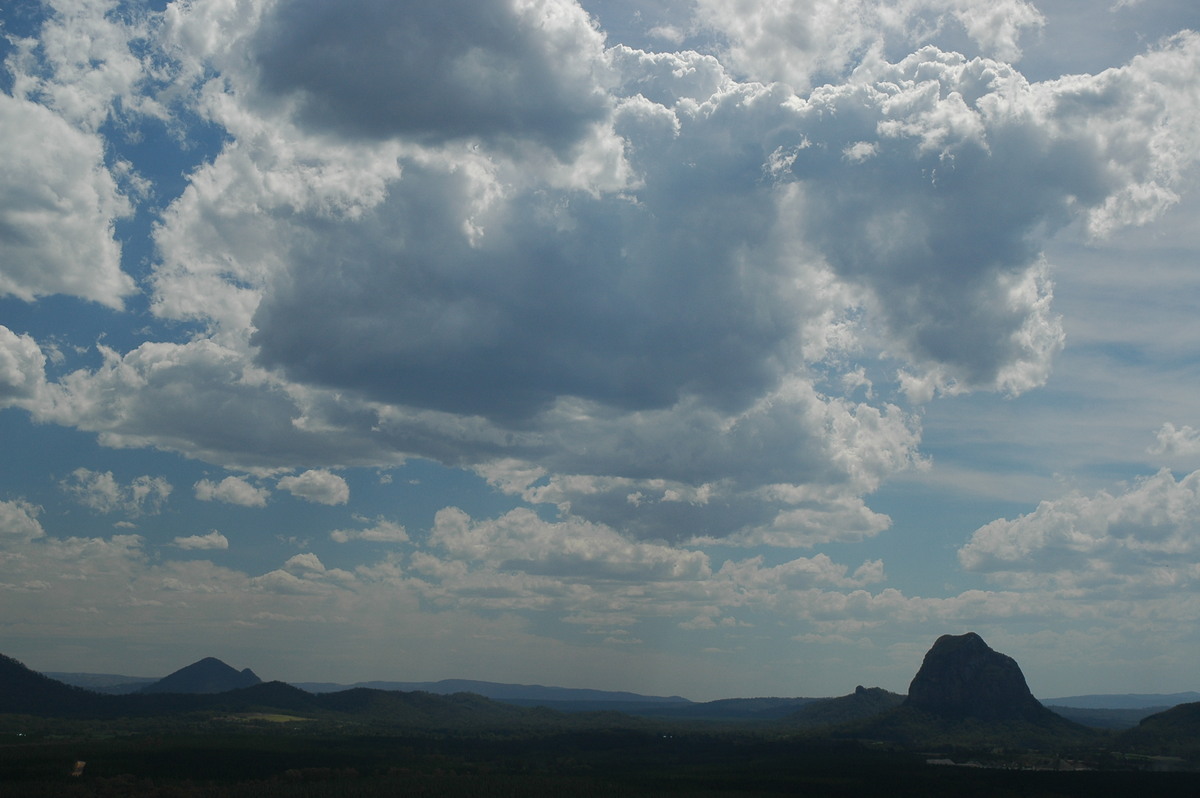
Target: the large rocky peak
(963, 677)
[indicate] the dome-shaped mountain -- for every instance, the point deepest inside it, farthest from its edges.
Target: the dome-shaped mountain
(962, 677)
(209, 675)
(966, 695)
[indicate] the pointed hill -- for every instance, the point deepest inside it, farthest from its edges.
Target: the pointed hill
(208, 675)
(966, 694)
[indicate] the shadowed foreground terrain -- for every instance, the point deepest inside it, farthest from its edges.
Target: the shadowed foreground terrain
(967, 727)
(285, 761)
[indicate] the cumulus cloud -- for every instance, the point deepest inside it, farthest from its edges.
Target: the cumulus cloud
(22, 368)
(453, 69)
(83, 64)
(206, 401)
(655, 286)
(232, 490)
(383, 531)
(213, 541)
(100, 491)
(1142, 540)
(801, 42)
(802, 573)
(1176, 441)
(321, 487)
(519, 540)
(58, 205)
(19, 519)
(60, 196)
(305, 562)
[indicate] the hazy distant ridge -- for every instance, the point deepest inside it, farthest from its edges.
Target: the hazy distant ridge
(120, 684)
(109, 683)
(1124, 700)
(498, 691)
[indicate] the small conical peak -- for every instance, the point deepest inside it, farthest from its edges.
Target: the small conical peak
(208, 675)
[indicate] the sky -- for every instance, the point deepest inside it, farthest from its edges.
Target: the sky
(709, 348)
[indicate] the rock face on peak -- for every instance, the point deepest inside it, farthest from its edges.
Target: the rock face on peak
(209, 675)
(962, 677)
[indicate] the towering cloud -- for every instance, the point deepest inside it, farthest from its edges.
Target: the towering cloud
(678, 302)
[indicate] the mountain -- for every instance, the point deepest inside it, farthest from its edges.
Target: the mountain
(519, 693)
(208, 675)
(962, 677)
(27, 692)
(1116, 719)
(967, 694)
(1124, 700)
(1173, 732)
(109, 683)
(24, 691)
(722, 709)
(864, 702)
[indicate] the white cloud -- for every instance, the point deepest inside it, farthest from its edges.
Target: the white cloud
(305, 562)
(519, 540)
(60, 196)
(670, 287)
(213, 541)
(800, 574)
(814, 522)
(19, 519)
(286, 583)
(232, 490)
(728, 271)
(182, 397)
(58, 205)
(321, 487)
(805, 41)
(1182, 441)
(383, 531)
(1142, 540)
(82, 63)
(101, 492)
(22, 368)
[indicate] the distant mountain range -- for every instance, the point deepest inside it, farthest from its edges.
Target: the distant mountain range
(1124, 700)
(1118, 710)
(500, 692)
(964, 695)
(107, 683)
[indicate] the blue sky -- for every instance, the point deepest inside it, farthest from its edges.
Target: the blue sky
(701, 348)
